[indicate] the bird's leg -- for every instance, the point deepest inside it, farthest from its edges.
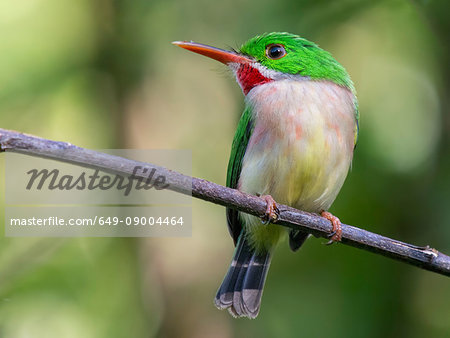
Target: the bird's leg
(336, 234)
(272, 211)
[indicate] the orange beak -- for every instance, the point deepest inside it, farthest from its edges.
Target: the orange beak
(218, 54)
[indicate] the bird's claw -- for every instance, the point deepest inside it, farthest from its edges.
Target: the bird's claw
(330, 236)
(336, 234)
(272, 212)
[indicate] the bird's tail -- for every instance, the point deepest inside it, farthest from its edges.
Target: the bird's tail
(242, 288)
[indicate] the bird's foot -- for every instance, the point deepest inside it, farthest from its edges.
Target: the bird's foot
(336, 234)
(272, 212)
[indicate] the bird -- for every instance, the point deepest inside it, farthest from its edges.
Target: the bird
(293, 145)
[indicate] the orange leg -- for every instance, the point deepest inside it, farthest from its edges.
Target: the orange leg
(272, 211)
(336, 235)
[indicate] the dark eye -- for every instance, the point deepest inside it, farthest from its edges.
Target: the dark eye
(275, 51)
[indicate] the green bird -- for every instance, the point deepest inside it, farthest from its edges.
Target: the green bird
(294, 144)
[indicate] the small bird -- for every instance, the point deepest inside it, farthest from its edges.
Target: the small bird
(294, 144)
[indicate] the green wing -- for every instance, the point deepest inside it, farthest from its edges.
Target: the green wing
(357, 121)
(240, 142)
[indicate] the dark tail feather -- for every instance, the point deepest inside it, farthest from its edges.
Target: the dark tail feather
(242, 288)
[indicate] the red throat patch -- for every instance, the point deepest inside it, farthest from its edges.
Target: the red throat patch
(250, 77)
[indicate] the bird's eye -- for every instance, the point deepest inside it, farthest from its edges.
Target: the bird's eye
(275, 51)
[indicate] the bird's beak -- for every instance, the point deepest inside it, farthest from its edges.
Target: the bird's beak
(218, 54)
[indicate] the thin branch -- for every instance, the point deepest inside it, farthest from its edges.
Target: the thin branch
(424, 257)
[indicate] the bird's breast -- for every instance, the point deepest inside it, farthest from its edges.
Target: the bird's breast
(302, 142)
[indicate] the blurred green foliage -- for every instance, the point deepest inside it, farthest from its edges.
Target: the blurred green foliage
(102, 74)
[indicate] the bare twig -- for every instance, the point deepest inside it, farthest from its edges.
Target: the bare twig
(423, 257)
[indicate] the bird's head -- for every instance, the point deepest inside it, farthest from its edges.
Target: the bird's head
(276, 56)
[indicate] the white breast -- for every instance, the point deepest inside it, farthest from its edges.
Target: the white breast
(302, 144)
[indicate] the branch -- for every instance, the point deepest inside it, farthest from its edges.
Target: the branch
(424, 257)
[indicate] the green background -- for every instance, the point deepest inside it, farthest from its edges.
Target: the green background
(103, 74)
